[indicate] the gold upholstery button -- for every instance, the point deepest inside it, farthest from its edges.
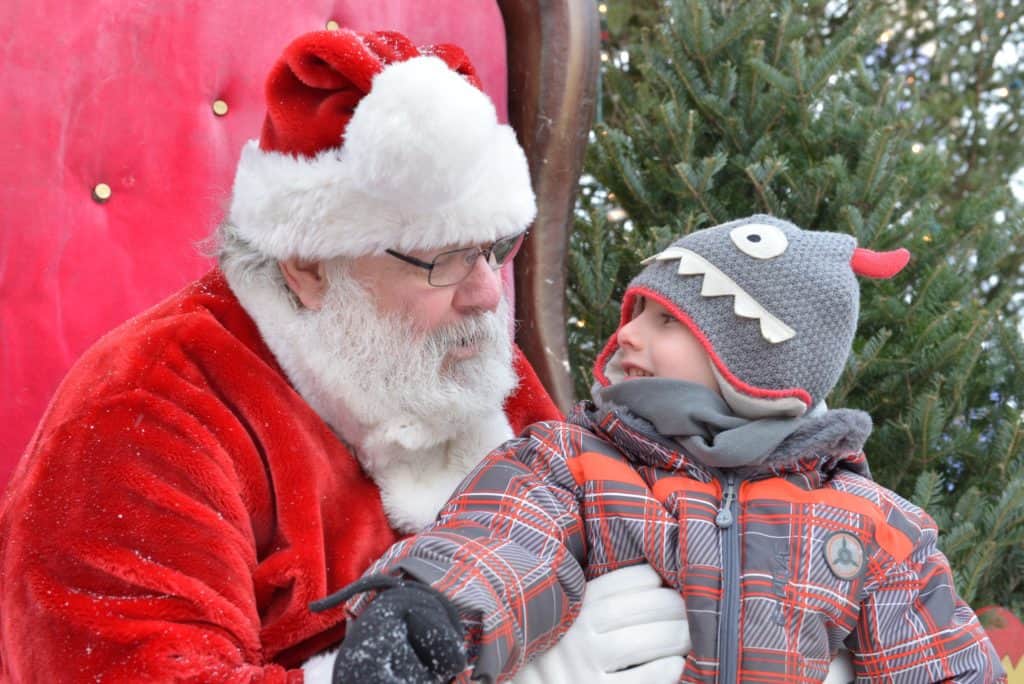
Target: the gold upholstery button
(332, 25)
(220, 107)
(101, 192)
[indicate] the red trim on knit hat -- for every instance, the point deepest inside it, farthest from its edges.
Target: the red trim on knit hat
(626, 315)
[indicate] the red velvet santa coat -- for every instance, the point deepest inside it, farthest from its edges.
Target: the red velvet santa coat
(179, 507)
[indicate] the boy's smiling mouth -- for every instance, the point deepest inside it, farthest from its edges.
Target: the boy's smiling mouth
(632, 371)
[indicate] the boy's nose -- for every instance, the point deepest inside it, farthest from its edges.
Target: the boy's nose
(629, 336)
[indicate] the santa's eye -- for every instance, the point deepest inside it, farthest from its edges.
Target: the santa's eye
(759, 240)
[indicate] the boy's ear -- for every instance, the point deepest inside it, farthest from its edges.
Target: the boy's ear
(307, 279)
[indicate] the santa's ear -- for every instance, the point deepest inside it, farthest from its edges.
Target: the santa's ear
(306, 279)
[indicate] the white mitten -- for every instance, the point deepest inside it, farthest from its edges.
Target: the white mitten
(840, 670)
(628, 620)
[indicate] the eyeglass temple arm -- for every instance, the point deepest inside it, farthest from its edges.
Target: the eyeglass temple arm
(410, 260)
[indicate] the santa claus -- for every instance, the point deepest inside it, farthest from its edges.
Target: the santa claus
(254, 442)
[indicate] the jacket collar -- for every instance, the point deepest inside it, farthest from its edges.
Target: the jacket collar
(698, 437)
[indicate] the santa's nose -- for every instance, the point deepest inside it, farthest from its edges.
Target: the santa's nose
(480, 291)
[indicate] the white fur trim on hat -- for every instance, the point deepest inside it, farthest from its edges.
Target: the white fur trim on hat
(425, 164)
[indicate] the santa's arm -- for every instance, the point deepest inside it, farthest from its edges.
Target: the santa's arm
(132, 539)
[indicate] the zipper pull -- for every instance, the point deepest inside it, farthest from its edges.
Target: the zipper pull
(725, 518)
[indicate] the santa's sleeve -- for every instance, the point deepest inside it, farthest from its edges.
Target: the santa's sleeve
(129, 550)
(507, 550)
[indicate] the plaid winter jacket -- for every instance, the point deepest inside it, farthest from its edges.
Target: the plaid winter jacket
(779, 566)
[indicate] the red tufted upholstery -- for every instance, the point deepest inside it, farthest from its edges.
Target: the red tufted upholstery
(122, 93)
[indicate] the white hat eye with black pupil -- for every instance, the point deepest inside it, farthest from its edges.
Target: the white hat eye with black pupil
(759, 240)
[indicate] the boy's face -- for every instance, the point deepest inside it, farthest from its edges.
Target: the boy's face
(656, 344)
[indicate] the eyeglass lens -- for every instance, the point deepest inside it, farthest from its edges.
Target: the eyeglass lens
(452, 267)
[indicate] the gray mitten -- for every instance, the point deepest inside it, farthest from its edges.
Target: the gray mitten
(409, 633)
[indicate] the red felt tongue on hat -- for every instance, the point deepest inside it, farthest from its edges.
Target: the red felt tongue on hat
(871, 264)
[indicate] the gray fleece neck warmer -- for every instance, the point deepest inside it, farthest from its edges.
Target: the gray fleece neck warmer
(699, 421)
(774, 306)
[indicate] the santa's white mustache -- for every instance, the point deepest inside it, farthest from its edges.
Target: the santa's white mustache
(480, 331)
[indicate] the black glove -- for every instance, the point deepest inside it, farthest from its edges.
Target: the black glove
(409, 633)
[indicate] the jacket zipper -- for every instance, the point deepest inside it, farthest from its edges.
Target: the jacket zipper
(729, 615)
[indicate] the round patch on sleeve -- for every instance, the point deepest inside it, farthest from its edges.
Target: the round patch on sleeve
(844, 554)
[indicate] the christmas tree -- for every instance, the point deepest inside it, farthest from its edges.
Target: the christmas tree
(899, 123)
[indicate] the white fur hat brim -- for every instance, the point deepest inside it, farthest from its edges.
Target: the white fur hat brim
(425, 164)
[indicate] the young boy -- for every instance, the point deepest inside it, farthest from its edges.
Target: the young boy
(709, 453)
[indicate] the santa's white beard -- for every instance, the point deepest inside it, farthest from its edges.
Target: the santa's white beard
(418, 421)
(395, 381)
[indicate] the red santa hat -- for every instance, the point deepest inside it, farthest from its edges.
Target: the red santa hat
(371, 143)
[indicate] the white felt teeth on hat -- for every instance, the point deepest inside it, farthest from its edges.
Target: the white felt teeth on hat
(775, 331)
(717, 284)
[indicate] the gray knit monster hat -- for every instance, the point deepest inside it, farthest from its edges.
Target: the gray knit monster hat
(775, 307)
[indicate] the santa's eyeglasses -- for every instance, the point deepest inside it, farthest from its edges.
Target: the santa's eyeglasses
(451, 268)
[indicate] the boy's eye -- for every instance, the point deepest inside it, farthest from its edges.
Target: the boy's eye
(667, 319)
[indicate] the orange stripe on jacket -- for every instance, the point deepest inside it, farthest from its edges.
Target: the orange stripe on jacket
(667, 486)
(591, 465)
(894, 541)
